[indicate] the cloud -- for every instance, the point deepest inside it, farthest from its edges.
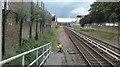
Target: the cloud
(67, 9)
(80, 11)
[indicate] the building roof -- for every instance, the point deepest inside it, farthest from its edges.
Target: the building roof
(80, 15)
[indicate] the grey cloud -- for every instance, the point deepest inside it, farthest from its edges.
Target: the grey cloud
(63, 9)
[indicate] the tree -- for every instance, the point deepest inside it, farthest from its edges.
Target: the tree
(83, 21)
(104, 11)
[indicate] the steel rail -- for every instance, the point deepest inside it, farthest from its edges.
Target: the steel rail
(99, 41)
(89, 48)
(90, 54)
(78, 49)
(85, 42)
(91, 63)
(94, 50)
(103, 48)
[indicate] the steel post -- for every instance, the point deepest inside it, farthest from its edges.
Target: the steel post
(36, 57)
(23, 61)
(43, 52)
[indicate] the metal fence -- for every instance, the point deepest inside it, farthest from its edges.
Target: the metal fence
(44, 55)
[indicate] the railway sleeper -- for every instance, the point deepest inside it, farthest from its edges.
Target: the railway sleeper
(91, 56)
(103, 48)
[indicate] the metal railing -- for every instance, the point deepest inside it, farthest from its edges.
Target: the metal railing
(45, 54)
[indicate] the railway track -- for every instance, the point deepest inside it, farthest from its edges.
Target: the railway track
(86, 47)
(112, 51)
(108, 45)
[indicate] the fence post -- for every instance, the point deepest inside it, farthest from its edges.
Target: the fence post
(23, 61)
(43, 52)
(0, 30)
(36, 58)
(48, 48)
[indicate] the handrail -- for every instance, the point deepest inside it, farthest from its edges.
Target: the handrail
(38, 57)
(27, 52)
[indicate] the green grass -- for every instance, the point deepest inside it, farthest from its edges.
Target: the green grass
(27, 45)
(110, 37)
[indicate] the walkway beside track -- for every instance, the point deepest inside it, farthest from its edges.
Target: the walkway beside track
(55, 59)
(70, 56)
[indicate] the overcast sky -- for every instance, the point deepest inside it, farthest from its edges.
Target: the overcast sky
(68, 9)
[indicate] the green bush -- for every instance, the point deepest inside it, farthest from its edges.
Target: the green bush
(28, 44)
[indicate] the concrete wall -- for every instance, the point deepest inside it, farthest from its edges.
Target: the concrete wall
(12, 31)
(25, 30)
(12, 28)
(33, 29)
(53, 24)
(112, 29)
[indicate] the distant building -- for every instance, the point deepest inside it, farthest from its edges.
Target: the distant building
(54, 18)
(66, 20)
(6, 4)
(78, 18)
(76, 22)
(54, 21)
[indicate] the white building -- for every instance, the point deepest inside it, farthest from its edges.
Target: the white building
(54, 21)
(78, 18)
(6, 4)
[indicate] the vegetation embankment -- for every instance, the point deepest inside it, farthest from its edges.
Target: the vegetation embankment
(28, 44)
(110, 37)
(54, 38)
(26, 23)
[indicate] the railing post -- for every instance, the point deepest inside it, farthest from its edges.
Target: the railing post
(47, 48)
(50, 46)
(36, 58)
(23, 61)
(43, 52)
